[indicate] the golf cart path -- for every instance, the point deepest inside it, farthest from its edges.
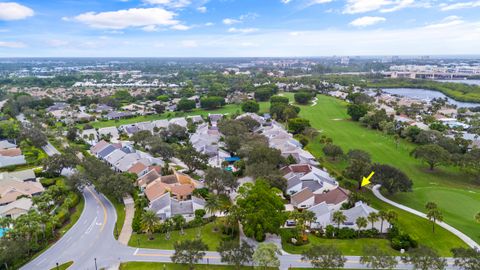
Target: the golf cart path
(469, 241)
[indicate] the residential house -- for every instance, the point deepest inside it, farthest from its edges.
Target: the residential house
(361, 209)
(109, 132)
(301, 176)
(17, 184)
(16, 208)
(11, 156)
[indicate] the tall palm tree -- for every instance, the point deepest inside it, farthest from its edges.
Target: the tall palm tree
(383, 216)
(148, 223)
(361, 223)
(477, 217)
(372, 217)
(434, 215)
(431, 205)
(212, 204)
(392, 217)
(339, 218)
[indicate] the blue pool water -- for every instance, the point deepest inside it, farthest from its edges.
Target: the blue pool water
(2, 232)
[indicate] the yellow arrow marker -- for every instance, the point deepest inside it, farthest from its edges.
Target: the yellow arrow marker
(366, 180)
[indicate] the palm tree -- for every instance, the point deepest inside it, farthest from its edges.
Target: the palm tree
(477, 217)
(372, 217)
(431, 205)
(212, 204)
(361, 223)
(392, 217)
(339, 218)
(383, 216)
(434, 215)
(168, 225)
(149, 222)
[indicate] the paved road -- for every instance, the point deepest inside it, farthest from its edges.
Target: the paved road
(92, 237)
(469, 241)
(50, 150)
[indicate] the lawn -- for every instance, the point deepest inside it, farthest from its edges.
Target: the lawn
(171, 266)
(456, 194)
(210, 237)
(227, 109)
(120, 209)
(346, 246)
(63, 266)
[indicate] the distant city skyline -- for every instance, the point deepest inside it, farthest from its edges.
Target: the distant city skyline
(238, 28)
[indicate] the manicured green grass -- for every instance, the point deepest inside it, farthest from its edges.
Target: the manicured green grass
(63, 266)
(227, 109)
(456, 194)
(347, 246)
(210, 237)
(171, 266)
(120, 209)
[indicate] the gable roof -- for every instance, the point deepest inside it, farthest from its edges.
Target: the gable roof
(9, 161)
(335, 196)
(11, 152)
(137, 168)
(23, 204)
(6, 145)
(182, 190)
(10, 190)
(99, 146)
(301, 196)
(148, 178)
(155, 189)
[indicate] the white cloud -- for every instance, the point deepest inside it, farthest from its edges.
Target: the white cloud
(461, 5)
(447, 22)
(180, 27)
(285, 1)
(169, 3)
(12, 44)
(189, 43)
(209, 24)
(134, 17)
(229, 21)
(11, 11)
(202, 9)
(362, 6)
(150, 28)
(367, 21)
(242, 30)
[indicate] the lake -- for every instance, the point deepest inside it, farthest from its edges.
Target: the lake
(427, 95)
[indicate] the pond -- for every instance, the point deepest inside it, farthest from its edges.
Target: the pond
(427, 95)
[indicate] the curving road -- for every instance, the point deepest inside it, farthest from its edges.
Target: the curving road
(469, 241)
(92, 238)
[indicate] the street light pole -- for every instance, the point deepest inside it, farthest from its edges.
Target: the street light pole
(57, 265)
(95, 263)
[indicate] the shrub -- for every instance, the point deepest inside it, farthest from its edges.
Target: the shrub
(329, 231)
(346, 233)
(46, 182)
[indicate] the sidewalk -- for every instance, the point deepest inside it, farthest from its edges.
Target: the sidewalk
(126, 232)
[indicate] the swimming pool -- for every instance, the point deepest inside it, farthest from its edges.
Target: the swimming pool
(2, 232)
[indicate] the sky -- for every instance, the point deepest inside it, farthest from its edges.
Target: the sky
(238, 28)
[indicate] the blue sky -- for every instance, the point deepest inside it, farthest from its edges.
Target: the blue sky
(206, 28)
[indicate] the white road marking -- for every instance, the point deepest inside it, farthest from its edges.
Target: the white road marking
(136, 251)
(41, 261)
(89, 229)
